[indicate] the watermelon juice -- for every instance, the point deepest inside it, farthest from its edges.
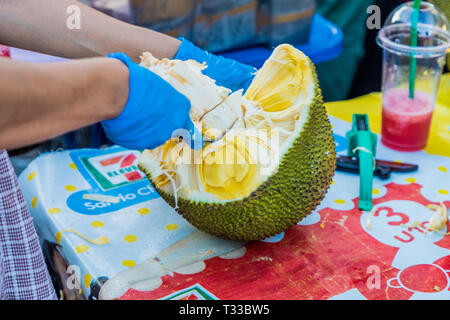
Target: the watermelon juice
(405, 121)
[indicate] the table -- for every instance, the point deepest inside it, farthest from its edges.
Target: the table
(337, 252)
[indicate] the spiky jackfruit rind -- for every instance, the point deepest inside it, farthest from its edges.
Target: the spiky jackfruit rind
(301, 182)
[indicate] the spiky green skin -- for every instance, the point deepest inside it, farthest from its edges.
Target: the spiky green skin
(294, 191)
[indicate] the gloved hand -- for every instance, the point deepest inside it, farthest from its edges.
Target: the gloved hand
(154, 110)
(227, 72)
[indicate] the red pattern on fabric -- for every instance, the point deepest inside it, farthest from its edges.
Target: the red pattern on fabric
(315, 261)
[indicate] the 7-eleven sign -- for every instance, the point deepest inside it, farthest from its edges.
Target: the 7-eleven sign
(114, 169)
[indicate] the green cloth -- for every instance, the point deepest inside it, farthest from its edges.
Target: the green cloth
(444, 5)
(336, 76)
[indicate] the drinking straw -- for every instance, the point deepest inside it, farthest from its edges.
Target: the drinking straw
(413, 35)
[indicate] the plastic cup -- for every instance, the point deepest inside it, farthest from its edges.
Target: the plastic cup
(406, 120)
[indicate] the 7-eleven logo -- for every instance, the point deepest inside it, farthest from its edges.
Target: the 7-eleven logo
(192, 296)
(115, 169)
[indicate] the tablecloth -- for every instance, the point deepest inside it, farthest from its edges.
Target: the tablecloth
(337, 252)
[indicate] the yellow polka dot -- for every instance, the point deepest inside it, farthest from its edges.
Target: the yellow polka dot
(410, 180)
(130, 238)
(82, 248)
(58, 237)
(144, 211)
(128, 263)
(100, 241)
(339, 201)
(87, 280)
(70, 188)
(332, 182)
(443, 169)
(375, 191)
(31, 175)
(33, 202)
(398, 161)
(73, 166)
(54, 210)
(443, 192)
(97, 224)
(172, 226)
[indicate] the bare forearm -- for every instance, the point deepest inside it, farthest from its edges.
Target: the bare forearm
(41, 101)
(41, 25)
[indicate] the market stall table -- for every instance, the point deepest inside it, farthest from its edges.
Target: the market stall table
(337, 252)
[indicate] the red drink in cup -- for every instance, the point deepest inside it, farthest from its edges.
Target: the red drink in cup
(411, 74)
(406, 121)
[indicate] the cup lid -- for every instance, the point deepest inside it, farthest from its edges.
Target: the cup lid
(433, 31)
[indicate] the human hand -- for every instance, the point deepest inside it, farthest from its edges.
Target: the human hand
(154, 110)
(227, 72)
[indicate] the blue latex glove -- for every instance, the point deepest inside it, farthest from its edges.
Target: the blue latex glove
(227, 72)
(154, 111)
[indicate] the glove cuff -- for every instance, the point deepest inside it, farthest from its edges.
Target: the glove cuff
(227, 72)
(188, 50)
(121, 57)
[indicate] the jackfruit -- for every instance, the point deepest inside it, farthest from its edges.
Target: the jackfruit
(272, 155)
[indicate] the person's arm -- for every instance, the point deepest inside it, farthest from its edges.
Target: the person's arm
(136, 107)
(40, 25)
(40, 101)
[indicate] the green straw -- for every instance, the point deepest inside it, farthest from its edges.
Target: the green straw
(413, 61)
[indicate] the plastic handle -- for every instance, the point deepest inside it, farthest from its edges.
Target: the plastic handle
(366, 163)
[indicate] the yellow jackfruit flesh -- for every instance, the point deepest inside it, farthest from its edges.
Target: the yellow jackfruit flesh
(279, 87)
(273, 159)
(228, 171)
